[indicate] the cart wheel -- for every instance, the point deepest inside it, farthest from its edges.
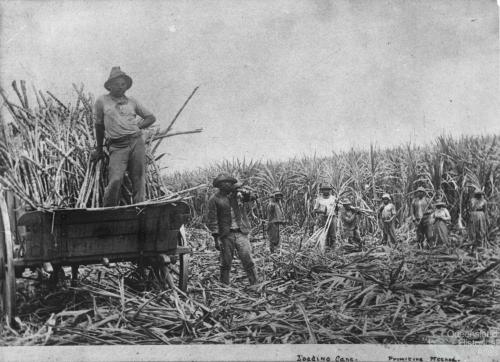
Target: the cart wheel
(172, 274)
(183, 266)
(7, 272)
(183, 271)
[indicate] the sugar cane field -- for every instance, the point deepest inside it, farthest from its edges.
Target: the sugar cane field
(404, 292)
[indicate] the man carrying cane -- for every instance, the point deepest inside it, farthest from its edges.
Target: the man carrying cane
(228, 222)
(326, 208)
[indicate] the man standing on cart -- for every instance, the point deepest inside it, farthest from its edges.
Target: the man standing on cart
(228, 222)
(116, 117)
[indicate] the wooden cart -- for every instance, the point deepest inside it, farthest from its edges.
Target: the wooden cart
(150, 234)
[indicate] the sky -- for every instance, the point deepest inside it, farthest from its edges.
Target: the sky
(277, 79)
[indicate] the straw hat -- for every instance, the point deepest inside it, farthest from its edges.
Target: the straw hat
(277, 192)
(440, 203)
(116, 72)
(224, 177)
(325, 186)
(420, 188)
(386, 196)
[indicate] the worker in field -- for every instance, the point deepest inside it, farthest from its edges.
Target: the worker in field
(420, 212)
(228, 222)
(349, 217)
(275, 218)
(387, 214)
(478, 226)
(121, 120)
(325, 210)
(441, 218)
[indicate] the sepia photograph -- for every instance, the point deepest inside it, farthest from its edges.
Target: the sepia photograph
(221, 180)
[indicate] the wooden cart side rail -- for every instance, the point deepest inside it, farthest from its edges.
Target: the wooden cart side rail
(97, 259)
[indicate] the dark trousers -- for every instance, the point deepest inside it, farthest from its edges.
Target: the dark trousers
(353, 235)
(128, 155)
(273, 232)
(240, 242)
(389, 232)
(424, 230)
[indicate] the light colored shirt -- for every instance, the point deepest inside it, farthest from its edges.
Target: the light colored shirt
(119, 116)
(388, 211)
(325, 204)
(478, 204)
(443, 214)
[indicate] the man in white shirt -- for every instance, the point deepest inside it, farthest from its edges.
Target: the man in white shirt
(387, 214)
(325, 206)
(116, 118)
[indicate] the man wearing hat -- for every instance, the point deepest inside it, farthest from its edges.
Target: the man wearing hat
(121, 119)
(387, 213)
(441, 217)
(275, 219)
(478, 226)
(228, 222)
(349, 219)
(325, 209)
(421, 212)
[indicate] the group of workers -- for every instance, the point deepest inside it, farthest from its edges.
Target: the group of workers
(228, 222)
(121, 119)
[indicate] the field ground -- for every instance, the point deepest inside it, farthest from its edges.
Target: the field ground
(379, 295)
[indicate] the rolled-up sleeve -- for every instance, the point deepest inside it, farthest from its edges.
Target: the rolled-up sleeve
(140, 110)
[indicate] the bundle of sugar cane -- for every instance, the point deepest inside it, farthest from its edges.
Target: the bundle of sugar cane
(318, 238)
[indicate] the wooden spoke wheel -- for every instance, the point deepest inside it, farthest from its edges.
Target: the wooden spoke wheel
(7, 272)
(176, 273)
(180, 271)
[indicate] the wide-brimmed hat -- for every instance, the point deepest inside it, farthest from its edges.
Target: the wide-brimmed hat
(325, 186)
(224, 177)
(420, 188)
(346, 202)
(478, 192)
(277, 192)
(386, 196)
(116, 72)
(440, 203)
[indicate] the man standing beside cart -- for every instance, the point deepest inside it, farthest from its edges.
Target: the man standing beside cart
(228, 222)
(116, 117)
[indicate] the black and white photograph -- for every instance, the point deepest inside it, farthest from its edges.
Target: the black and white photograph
(223, 180)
